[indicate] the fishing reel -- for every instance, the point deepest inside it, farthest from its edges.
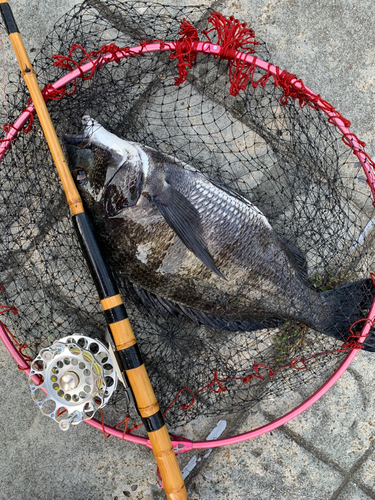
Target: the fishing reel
(72, 379)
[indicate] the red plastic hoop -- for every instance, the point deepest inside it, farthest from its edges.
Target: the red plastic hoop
(351, 141)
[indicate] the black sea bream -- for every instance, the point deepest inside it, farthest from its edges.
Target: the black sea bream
(186, 244)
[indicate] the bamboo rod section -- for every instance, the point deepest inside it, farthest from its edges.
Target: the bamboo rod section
(113, 307)
(28, 74)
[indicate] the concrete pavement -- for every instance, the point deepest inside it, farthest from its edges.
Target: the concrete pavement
(328, 452)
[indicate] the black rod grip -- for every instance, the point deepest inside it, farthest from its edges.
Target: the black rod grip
(131, 357)
(8, 18)
(115, 314)
(154, 422)
(100, 272)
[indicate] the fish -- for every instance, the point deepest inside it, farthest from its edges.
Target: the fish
(184, 243)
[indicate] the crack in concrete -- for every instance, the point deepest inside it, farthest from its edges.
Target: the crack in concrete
(353, 470)
(348, 475)
(361, 386)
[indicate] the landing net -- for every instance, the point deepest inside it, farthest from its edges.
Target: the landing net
(268, 140)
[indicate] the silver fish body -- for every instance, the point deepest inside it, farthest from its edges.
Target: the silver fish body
(193, 243)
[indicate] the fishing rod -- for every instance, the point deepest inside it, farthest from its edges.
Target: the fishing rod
(129, 356)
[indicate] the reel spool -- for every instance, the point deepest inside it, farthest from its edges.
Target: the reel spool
(78, 377)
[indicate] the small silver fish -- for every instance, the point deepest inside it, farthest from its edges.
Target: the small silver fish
(186, 244)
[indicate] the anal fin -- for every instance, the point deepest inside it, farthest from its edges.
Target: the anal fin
(154, 304)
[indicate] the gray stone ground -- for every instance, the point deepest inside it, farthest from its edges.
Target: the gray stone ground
(326, 453)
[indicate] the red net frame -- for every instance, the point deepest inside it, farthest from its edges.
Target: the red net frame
(231, 36)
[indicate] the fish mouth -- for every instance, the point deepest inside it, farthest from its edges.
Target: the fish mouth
(77, 142)
(82, 140)
(75, 146)
(95, 150)
(79, 147)
(79, 151)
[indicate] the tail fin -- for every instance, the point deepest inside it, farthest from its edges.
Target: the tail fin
(343, 307)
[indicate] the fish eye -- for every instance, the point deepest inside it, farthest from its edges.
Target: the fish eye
(79, 174)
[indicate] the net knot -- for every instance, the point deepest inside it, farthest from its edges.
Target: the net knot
(113, 50)
(30, 120)
(126, 422)
(233, 35)
(67, 62)
(50, 93)
(188, 31)
(7, 127)
(351, 140)
(258, 375)
(185, 50)
(134, 428)
(184, 406)
(97, 58)
(352, 341)
(298, 364)
(295, 89)
(215, 385)
(22, 368)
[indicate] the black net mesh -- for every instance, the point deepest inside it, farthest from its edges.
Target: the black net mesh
(287, 160)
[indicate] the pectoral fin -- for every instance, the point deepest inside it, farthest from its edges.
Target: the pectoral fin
(184, 219)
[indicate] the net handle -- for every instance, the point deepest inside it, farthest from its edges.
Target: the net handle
(208, 48)
(130, 359)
